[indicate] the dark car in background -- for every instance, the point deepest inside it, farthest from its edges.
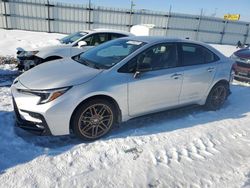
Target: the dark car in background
(241, 67)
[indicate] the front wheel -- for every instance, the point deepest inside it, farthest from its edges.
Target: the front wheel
(217, 97)
(93, 119)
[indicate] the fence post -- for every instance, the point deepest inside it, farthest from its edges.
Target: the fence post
(49, 17)
(246, 35)
(168, 16)
(131, 14)
(198, 26)
(89, 15)
(223, 31)
(5, 14)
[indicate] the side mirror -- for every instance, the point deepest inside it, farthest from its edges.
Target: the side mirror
(81, 44)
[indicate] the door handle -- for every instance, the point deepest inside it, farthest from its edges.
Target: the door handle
(210, 69)
(176, 76)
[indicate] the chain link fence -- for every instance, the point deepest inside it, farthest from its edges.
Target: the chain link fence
(51, 16)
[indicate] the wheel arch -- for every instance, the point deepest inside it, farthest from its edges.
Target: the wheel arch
(223, 81)
(104, 97)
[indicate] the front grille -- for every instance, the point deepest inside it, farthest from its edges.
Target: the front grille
(245, 65)
(41, 129)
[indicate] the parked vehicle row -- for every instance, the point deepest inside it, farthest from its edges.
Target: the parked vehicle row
(89, 93)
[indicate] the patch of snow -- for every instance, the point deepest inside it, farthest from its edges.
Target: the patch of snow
(12, 39)
(187, 148)
(227, 50)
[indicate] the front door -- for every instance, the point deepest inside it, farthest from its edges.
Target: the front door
(158, 88)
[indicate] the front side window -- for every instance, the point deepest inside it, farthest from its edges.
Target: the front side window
(109, 54)
(161, 56)
(88, 40)
(96, 39)
(192, 54)
(99, 39)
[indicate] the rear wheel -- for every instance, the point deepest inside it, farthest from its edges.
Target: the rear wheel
(217, 96)
(94, 119)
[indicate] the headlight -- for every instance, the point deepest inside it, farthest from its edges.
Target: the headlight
(29, 53)
(237, 58)
(47, 95)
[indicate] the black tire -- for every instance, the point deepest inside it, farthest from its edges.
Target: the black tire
(90, 121)
(217, 96)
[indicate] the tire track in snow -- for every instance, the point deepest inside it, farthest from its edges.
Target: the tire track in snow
(198, 149)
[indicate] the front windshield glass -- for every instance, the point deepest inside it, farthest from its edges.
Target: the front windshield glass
(108, 54)
(72, 37)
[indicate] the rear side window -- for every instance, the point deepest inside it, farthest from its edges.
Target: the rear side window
(192, 54)
(116, 36)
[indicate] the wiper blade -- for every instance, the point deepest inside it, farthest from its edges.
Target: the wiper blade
(89, 64)
(95, 66)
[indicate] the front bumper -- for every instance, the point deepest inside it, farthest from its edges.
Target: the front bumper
(25, 63)
(45, 119)
(40, 128)
(242, 71)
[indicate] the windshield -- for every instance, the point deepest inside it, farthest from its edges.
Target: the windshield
(72, 37)
(108, 54)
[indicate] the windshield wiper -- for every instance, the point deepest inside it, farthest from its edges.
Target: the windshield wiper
(87, 63)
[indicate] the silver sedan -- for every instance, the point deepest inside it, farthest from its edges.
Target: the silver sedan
(119, 80)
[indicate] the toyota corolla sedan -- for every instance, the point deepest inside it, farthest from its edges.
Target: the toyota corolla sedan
(125, 78)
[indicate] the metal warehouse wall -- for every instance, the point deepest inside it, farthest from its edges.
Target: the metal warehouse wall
(51, 16)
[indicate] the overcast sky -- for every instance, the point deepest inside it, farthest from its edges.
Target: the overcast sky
(210, 7)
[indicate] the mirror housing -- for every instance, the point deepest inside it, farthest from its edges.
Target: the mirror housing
(81, 44)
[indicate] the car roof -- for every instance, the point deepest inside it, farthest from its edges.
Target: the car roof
(101, 30)
(160, 39)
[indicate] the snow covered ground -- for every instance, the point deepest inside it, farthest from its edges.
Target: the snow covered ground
(12, 39)
(186, 148)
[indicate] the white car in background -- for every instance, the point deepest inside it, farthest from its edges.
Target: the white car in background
(69, 46)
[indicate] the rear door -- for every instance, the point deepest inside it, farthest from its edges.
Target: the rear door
(199, 67)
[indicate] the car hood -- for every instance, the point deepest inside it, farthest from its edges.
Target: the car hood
(57, 74)
(62, 50)
(41, 46)
(243, 53)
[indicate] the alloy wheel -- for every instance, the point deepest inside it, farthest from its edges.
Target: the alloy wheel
(219, 96)
(95, 121)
